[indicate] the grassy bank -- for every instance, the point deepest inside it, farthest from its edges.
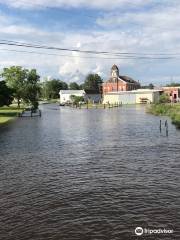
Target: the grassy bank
(171, 110)
(8, 113)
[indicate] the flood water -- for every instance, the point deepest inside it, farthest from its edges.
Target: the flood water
(92, 174)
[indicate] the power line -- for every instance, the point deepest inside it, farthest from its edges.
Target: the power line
(28, 45)
(37, 46)
(72, 56)
(53, 54)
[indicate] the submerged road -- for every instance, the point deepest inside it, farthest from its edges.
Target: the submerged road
(92, 174)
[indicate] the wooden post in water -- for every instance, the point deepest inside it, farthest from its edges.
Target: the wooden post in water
(167, 131)
(39, 112)
(104, 105)
(160, 126)
(166, 125)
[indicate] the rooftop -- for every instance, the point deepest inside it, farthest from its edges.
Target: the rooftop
(115, 67)
(135, 91)
(72, 92)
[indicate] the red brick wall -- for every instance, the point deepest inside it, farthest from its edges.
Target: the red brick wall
(172, 92)
(121, 86)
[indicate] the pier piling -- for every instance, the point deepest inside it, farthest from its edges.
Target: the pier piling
(160, 126)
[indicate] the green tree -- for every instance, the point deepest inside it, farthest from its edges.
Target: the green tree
(24, 84)
(32, 88)
(81, 86)
(15, 77)
(6, 94)
(93, 82)
(164, 98)
(173, 84)
(76, 99)
(50, 89)
(74, 86)
(150, 86)
(64, 85)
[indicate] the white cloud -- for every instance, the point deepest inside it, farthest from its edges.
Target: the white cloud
(149, 31)
(163, 17)
(100, 4)
(76, 69)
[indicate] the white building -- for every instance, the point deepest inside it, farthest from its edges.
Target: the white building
(65, 95)
(132, 97)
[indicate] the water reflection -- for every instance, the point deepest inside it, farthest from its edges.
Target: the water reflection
(88, 174)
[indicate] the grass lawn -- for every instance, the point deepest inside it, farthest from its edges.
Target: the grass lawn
(9, 113)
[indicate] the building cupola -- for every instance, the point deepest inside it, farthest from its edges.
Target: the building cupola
(114, 71)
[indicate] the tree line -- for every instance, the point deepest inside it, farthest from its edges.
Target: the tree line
(50, 89)
(23, 85)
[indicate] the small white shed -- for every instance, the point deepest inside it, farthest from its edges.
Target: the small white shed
(65, 95)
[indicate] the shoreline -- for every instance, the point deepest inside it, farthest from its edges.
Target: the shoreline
(166, 109)
(9, 114)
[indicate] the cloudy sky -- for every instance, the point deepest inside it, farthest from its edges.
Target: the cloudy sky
(147, 30)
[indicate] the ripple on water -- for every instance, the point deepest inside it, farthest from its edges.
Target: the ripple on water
(84, 174)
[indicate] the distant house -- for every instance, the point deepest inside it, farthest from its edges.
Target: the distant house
(65, 95)
(173, 93)
(118, 82)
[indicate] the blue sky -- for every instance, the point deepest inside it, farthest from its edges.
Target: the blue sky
(141, 27)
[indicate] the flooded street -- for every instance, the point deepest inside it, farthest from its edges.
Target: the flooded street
(92, 174)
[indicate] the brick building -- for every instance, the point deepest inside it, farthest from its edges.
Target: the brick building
(119, 83)
(173, 93)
